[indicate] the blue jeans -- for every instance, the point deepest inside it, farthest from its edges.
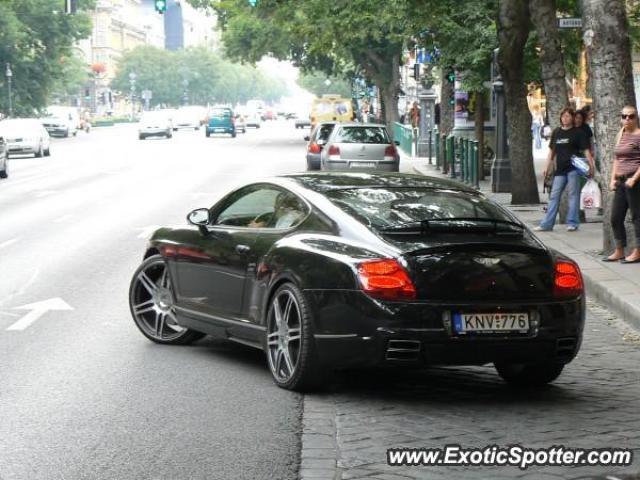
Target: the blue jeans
(559, 183)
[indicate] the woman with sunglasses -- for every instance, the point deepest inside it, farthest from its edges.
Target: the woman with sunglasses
(625, 182)
(565, 142)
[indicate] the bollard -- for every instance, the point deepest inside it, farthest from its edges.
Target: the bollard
(467, 146)
(437, 145)
(445, 155)
(474, 165)
(463, 160)
(451, 158)
(429, 149)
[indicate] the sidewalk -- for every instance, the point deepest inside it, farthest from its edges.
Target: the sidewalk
(615, 285)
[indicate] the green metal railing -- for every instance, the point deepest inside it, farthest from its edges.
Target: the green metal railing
(404, 135)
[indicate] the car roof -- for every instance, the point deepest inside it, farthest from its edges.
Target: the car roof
(324, 182)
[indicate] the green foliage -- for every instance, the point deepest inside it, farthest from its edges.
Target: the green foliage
(36, 38)
(206, 77)
(316, 83)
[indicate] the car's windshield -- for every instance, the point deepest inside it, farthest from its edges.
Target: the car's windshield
(384, 208)
(221, 113)
(362, 135)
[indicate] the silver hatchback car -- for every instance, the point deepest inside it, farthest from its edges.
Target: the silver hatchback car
(360, 146)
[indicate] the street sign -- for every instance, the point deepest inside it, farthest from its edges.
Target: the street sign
(146, 95)
(571, 22)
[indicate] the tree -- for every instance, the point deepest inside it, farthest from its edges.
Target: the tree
(34, 40)
(513, 32)
(320, 83)
(606, 35)
(72, 77)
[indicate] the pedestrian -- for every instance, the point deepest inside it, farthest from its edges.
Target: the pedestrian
(566, 141)
(536, 128)
(415, 115)
(580, 121)
(625, 182)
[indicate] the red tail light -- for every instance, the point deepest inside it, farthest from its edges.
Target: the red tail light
(391, 152)
(334, 150)
(567, 281)
(314, 148)
(386, 279)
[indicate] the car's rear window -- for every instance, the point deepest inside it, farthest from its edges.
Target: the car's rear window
(391, 207)
(362, 135)
(221, 113)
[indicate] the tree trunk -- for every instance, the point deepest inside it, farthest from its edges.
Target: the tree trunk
(389, 92)
(606, 35)
(479, 131)
(513, 31)
(543, 15)
(447, 91)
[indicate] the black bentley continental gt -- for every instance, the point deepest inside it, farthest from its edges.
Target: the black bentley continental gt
(333, 270)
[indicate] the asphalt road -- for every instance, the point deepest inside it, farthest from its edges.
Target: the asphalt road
(82, 393)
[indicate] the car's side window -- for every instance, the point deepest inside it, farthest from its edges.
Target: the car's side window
(262, 207)
(250, 208)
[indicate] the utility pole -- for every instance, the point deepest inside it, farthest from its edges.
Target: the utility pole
(9, 74)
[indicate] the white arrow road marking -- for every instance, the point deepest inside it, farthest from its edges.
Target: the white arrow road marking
(8, 242)
(37, 310)
(147, 231)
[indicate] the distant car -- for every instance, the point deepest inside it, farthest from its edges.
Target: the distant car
(155, 124)
(360, 146)
(317, 140)
(25, 136)
(188, 117)
(221, 121)
(252, 119)
(4, 168)
(62, 121)
(302, 121)
(240, 123)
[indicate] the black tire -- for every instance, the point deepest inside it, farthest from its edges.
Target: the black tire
(5, 173)
(154, 267)
(39, 153)
(169, 135)
(307, 373)
(47, 152)
(207, 134)
(233, 134)
(66, 134)
(141, 137)
(529, 375)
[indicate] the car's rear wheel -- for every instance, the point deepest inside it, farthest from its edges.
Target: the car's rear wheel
(529, 375)
(207, 134)
(233, 134)
(40, 152)
(141, 137)
(152, 304)
(5, 172)
(290, 345)
(47, 152)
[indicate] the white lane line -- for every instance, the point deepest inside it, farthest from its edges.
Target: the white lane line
(36, 310)
(8, 242)
(63, 218)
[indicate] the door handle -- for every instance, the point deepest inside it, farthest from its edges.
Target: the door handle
(242, 249)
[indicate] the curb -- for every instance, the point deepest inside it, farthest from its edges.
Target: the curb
(319, 452)
(622, 300)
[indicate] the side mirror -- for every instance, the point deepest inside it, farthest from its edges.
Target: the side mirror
(397, 143)
(306, 138)
(200, 217)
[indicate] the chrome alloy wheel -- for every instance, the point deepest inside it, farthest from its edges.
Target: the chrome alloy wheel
(152, 303)
(284, 335)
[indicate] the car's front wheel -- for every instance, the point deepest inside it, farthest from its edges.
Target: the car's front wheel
(290, 345)
(152, 304)
(5, 172)
(529, 375)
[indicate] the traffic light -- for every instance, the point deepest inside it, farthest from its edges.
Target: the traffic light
(253, 2)
(451, 77)
(160, 5)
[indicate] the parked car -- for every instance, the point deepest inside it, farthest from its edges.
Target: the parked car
(155, 124)
(366, 269)
(189, 117)
(62, 121)
(240, 123)
(302, 120)
(221, 121)
(4, 165)
(316, 141)
(25, 136)
(363, 146)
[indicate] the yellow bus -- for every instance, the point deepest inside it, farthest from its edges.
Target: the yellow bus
(331, 108)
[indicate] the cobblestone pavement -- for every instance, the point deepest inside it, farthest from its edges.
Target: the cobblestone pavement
(594, 404)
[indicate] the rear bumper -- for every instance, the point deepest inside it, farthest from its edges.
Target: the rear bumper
(357, 165)
(58, 130)
(361, 332)
(154, 132)
(21, 148)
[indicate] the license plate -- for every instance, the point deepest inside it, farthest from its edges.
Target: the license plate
(220, 130)
(491, 322)
(362, 165)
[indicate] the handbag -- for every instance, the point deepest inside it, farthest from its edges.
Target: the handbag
(590, 196)
(581, 165)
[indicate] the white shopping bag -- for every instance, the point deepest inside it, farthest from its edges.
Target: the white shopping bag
(590, 196)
